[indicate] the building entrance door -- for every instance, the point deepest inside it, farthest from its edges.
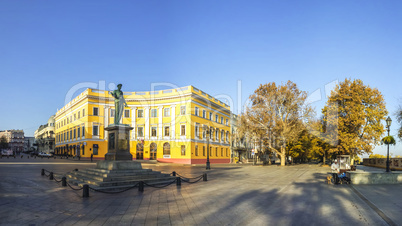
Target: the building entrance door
(153, 150)
(140, 151)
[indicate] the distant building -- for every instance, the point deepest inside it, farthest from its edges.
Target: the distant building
(241, 149)
(44, 136)
(28, 144)
(15, 139)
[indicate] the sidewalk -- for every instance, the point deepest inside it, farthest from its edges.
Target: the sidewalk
(233, 195)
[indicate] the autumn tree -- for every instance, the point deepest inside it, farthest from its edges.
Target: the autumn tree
(353, 113)
(399, 119)
(277, 113)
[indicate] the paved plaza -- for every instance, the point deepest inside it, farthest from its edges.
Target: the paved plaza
(233, 195)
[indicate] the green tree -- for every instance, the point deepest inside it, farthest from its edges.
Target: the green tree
(277, 113)
(399, 119)
(359, 110)
(3, 143)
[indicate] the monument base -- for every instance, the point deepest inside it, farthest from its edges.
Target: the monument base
(118, 142)
(118, 165)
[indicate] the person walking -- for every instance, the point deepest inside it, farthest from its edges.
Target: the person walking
(92, 156)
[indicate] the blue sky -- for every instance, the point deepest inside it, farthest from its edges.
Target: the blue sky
(48, 47)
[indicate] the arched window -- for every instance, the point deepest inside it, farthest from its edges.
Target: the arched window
(166, 148)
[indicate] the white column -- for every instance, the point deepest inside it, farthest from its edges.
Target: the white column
(146, 112)
(106, 123)
(160, 122)
(133, 122)
(173, 121)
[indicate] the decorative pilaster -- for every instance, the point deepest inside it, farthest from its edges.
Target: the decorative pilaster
(173, 121)
(160, 122)
(146, 113)
(106, 123)
(133, 122)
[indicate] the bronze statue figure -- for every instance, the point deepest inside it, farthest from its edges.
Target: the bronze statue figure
(119, 104)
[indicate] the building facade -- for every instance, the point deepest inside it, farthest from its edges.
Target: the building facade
(44, 137)
(29, 144)
(168, 125)
(15, 139)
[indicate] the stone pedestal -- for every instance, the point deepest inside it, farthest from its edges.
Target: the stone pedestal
(118, 165)
(119, 142)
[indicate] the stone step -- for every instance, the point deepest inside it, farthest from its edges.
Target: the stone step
(80, 181)
(116, 173)
(117, 177)
(121, 187)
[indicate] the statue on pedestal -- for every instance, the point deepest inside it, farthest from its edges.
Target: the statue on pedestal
(119, 104)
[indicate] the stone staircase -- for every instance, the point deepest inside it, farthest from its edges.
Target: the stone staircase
(104, 179)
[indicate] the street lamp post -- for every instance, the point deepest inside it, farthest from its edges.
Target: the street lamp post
(389, 120)
(208, 166)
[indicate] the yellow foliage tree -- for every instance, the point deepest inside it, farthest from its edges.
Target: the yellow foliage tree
(277, 113)
(359, 110)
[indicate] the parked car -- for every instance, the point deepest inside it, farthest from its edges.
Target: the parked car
(7, 152)
(44, 154)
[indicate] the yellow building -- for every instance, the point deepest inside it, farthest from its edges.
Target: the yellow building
(169, 125)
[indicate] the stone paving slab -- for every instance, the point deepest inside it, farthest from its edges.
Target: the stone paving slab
(233, 195)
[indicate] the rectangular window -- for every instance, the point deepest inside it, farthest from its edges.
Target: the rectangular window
(112, 112)
(196, 111)
(75, 133)
(64, 138)
(95, 111)
(216, 134)
(79, 115)
(183, 130)
(75, 117)
(153, 131)
(95, 130)
(83, 131)
(210, 151)
(196, 150)
(78, 132)
(221, 120)
(227, 122)
(67, 120)
(182, 110)
(216, 152)
(227, 152)
(222, 135)
(127, 113)
(216, 118)
(154, 113)
(197, 134)
(204, 113)
(140, 113)
(140, 131)
(71, 118)
(183, 150)
(83, 112)
(203, 150)
(221, 152)
(167, 130)
(166, 112)
(71, 134)
(210, 116)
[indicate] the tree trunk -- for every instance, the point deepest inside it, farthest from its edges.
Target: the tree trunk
(283, 156)
(324, 159)
(283, 159)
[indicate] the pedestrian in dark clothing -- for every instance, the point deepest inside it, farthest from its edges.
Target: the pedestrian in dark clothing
(92, 156)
